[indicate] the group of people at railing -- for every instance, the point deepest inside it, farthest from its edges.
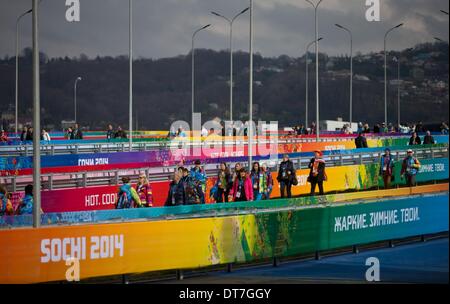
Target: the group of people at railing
(188, 187)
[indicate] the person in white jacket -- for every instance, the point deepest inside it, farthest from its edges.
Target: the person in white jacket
(45, 136)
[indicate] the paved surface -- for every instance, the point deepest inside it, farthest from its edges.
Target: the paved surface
(414, 263)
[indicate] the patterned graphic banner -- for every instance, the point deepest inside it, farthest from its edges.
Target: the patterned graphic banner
(22, 165)
(40, 255)
(356, 177)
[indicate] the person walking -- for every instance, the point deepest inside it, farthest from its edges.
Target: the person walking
(266, 185)
(144, 191)
(23, 135)
(224, 184)
(199, 176)
(242, 190)
(286, 175)
(387, 168)
(258, 181)
(415, 140)
(45, 136)
(410, 168)
(6, 207)
(110, 132)
(317, 174)
(429, 139)
(177, 194)
(26, 206)
(77, 134)
(29, 135)
(127, 196)
(3, 136)
(361, 141)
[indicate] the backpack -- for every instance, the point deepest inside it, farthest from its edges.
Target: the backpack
(123, 202)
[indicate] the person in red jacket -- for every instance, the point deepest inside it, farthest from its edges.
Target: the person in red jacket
(144, 191)
(3, 136)
(242, 190)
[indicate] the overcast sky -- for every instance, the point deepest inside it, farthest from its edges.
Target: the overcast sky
(163, 28)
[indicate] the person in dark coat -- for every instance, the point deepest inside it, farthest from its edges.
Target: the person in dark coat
(415, 140)
(361, 141)
(286, 175)
(23, 136)
(29, 135)
(177, 195)
(77, 134)
(110, 132)
(429, 140)
(317, 174)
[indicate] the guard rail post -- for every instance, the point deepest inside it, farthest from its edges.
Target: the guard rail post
(180, 275)
(275, 262)
(14, 184)
(229, 267)
(116, 177)
(50, 182)
(84, 179)
(317, 256)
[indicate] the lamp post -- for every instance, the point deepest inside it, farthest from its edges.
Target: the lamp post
(385, 73)
(75, 97)
(307, 81)
(17, 70)
(250, 110)
(351, 71)
(130, 11)
(36, 122)
(193, 70)
(316, 7)
(444, 12)
(231, 22)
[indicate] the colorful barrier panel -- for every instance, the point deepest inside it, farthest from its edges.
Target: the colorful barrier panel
(212, 210)
(22, 165)
(39, 255)
(356, 177)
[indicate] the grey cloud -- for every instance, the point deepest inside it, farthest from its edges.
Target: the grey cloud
(163, 28)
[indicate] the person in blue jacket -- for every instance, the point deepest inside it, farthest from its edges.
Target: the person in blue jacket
(26, 206)
(199, 177)
(127, 196)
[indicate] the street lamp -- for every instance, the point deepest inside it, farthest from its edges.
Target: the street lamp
(130, 37)
(385, 71)
(307, 81)
(250, 110)
(231, 21)
(193, 70)
(17, 69)
(351, 71)
(442, 11)
(75, 97)
(316, 7)
(36, 122)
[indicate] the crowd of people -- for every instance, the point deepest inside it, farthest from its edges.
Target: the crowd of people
(23, 208)
(188, 187)
(27, 134)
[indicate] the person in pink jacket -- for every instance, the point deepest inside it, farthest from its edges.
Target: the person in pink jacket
(242, 190)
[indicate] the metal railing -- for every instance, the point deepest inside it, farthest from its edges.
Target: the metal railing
(78, 147)
(112, 177)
